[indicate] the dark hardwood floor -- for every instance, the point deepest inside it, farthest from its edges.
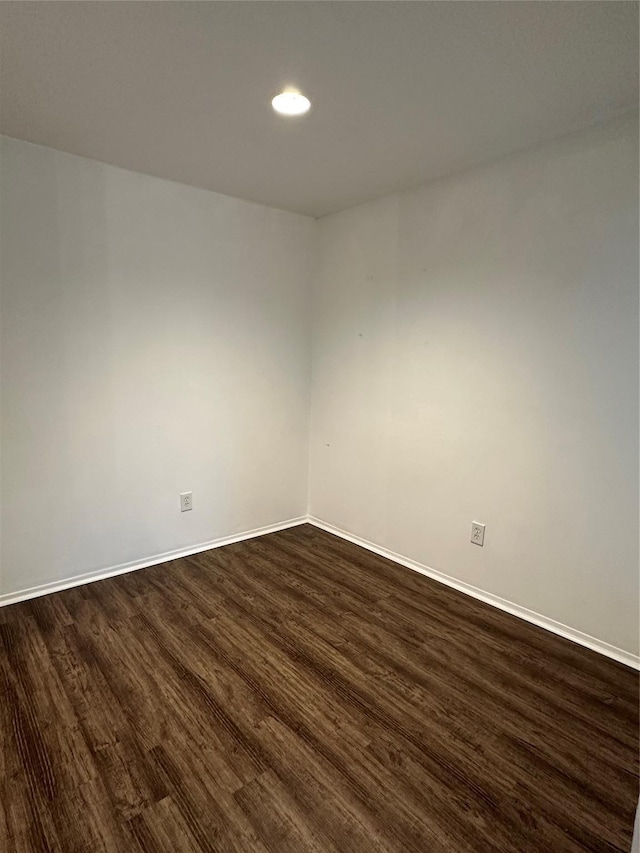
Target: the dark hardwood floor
(296, 693)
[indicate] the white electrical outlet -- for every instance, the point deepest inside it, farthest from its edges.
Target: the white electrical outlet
(186, 501)
(477, 533)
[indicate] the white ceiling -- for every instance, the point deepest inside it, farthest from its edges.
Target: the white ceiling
(402, 92)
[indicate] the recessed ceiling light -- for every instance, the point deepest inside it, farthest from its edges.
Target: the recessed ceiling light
(291, 104)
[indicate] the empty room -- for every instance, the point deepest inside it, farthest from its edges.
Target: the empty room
(319, 337)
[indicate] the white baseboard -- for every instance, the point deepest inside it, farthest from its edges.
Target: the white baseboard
(134, 565)
(502, 604)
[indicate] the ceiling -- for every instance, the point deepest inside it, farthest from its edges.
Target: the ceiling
(402, 92)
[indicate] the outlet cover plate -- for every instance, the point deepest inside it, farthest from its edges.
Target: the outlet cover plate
(477, 533)
(186, 501)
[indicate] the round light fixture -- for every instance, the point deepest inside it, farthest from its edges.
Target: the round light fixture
(291, 104)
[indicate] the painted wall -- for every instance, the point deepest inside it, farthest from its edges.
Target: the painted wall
(154, 340)
(475, 347)
(476, 358)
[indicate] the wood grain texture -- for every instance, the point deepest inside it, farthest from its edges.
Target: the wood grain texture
(297, 694)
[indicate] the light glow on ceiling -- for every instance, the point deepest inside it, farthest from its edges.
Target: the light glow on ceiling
(291, 104)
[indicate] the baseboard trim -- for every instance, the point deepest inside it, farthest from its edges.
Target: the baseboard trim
(565, 631)
(134, 565)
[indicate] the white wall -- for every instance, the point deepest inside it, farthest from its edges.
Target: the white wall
(154, 340)
(476, 357)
